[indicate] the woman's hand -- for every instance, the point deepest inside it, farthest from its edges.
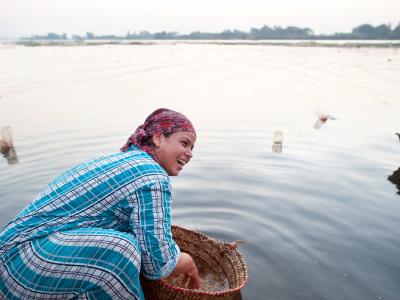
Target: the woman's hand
(187, 267)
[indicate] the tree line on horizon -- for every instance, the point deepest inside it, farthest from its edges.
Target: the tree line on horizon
(362, 32)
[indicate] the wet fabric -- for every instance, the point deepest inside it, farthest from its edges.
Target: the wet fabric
(101, 222)
(162, 120)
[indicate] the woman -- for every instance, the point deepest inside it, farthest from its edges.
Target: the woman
(92, 231)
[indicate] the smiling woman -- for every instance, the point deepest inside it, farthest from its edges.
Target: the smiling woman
(175, 151)
(97, 226)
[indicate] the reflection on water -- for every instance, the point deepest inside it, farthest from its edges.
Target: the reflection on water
(277, 141)
(395, 179)
(320, 219)
(9, 153)
(7, 147)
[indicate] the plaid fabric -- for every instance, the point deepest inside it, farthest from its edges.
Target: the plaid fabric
(91, 232)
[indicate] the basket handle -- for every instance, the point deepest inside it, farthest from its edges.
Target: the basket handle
(235, 244)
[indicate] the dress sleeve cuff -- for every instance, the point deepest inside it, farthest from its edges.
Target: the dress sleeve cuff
(170, 266)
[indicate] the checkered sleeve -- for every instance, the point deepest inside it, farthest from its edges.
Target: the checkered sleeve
(151, 223)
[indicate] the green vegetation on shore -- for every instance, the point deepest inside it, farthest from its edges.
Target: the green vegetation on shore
(362, 32)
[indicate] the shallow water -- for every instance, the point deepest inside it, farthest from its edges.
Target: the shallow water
(210, 280)
(320, 218)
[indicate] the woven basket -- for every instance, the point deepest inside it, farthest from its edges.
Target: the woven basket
(222, 257)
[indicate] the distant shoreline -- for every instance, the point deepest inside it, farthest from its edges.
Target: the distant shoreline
(292, 43)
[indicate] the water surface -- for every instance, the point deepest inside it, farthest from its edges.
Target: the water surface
(320, 219)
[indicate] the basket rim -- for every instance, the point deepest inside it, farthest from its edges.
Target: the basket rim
(200, 292)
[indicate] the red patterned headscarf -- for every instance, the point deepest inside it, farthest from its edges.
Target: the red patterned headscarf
(162, 120)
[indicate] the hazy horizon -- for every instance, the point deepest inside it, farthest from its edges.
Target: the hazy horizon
(20, 18)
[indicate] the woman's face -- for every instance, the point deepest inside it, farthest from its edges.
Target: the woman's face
(175, 151)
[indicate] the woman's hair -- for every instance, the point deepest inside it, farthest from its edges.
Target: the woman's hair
(161, 121)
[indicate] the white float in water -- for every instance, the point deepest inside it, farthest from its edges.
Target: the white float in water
(277, 141)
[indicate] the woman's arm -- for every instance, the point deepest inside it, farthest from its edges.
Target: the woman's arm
(187, 266)
(151, 224)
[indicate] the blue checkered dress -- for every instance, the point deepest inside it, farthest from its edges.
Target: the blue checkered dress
(91, 232)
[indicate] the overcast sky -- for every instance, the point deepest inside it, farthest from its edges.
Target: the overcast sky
(28, 17)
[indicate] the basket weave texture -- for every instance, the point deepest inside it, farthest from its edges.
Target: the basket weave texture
(221, 256)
